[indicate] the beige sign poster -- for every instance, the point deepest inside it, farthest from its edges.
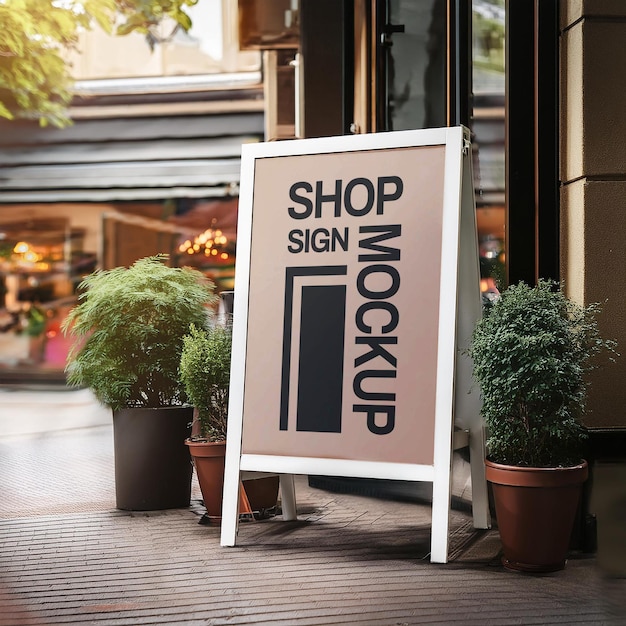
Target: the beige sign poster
(343, 305)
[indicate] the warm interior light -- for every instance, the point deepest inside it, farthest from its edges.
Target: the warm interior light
(21, 247)
(211, 242)
(31, 257)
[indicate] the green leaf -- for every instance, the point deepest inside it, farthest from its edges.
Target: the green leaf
(35, 79)
(531, 351)
(184, 20)
(4, 112)
(129, 327)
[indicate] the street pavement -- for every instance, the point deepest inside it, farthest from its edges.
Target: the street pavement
(68, 556)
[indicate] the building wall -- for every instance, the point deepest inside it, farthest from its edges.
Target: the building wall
(593, 176)
(211, 46)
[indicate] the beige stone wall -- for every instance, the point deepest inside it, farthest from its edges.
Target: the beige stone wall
(593, 173)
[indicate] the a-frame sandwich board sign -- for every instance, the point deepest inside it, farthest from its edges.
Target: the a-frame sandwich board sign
(357, 287)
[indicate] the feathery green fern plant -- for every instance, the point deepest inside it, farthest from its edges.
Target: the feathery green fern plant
(531, 351)
(129, 326)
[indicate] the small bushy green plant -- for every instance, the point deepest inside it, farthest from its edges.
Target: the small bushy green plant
(129, 326)
(531, 351)
(36, 322)
(205, 374)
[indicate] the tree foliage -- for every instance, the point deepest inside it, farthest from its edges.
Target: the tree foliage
(129, 327)
(531, 351)
(205, 374)
(34, 78)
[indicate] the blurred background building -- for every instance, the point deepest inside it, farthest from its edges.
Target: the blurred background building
(151, 163)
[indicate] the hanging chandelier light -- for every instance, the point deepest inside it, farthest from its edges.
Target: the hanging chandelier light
(210, 243)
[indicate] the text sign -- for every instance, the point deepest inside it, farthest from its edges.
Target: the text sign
(343, 304)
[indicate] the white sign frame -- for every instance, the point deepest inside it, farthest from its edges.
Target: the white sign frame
(459, 309)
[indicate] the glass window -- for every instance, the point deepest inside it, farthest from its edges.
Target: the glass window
(41, 262)
(414, 64)
(488, 138)
(207, 48)
(412, 70)
(44, 257)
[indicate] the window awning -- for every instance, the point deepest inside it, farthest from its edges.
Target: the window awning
(134, 158)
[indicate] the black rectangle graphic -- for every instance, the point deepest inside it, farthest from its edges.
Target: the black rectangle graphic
(321, 358)
(291, 275)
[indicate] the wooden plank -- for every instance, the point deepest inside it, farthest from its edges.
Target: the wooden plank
(350, 560)
(131, 129)
(161, 174)
(123, 151)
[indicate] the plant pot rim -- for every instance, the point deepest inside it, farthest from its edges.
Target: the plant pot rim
(206, 448)
(521, 476)
(152, 408)
(203, 441)
(526, 468)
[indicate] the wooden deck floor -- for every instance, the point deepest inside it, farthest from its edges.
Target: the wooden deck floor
(67, 556)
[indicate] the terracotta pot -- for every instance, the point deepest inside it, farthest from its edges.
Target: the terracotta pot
(262, 493)
(535, 509)
(208, 459)
(152, 465)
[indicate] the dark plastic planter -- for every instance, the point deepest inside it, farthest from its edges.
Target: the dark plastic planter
(152, 464)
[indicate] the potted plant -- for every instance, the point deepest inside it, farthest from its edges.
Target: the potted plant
(35, 329)
(531, 351)
(205, 374)
(128, 328)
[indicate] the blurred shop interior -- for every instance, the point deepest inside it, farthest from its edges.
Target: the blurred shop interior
(151, 162)
(43, 260)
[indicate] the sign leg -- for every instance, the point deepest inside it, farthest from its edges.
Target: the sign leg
(230, 508)
(440, 519)
(288, 497)
(480, 498)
